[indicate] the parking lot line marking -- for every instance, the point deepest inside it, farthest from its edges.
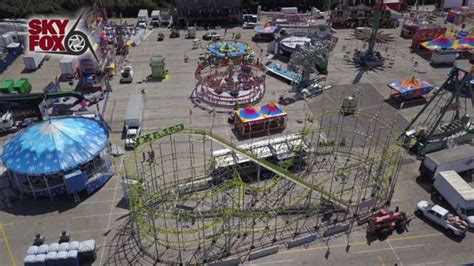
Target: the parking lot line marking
(7, 224)
(98, 215)
(271, 262)
(394, 252)
(110, 215)
(97, 201)
(9, 249)
(384, 249)
(93, 230)
(414, 237)
(147, 34)
(358, 243)
(428, 263)
(108, 188)
(431, 263)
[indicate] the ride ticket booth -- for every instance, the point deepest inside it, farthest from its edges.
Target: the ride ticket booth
(267, 118)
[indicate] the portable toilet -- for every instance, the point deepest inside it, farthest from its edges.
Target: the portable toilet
(7, 86)
(22, 86)
(157, 64)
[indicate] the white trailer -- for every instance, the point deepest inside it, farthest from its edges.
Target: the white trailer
(459, 159)
(33, 60)
(155, 18)
(165, 18)
(143, 15)
(68, 66)
(458, 193)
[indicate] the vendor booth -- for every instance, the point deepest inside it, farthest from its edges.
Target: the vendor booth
(265, 33)
(58, 156)
(256, 120)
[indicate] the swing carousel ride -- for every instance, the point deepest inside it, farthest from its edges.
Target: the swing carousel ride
(228, 77)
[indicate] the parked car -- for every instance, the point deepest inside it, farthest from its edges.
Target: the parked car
(211, 36)
(440, 216)
(161, 37)
(126, 74)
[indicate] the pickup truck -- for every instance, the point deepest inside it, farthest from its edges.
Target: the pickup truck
(131, 134)
(440, 216)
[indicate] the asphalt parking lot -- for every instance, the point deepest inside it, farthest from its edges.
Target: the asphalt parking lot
(103, 216)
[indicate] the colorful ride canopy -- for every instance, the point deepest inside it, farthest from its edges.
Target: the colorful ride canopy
(271, 109)
(54, 145)
(442, 42)
(227, 48)
(267, 28)
(249, 113)
(464, 43)
(411, 88)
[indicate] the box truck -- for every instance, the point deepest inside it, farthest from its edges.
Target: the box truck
(155, 18)
(459, 159)
(133, 119)
(33, 60)
(142, 18)
(458, 193)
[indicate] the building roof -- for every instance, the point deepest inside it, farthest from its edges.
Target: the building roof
(459, 184)
(450, 155)
(54, 145)
(282, 147)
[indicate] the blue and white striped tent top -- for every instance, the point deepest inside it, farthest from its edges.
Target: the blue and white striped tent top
(55, 145)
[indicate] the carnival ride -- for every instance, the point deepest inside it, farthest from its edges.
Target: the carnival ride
(292, 76)
(370, 58)
(267, 118)
(445, 120)
(229, 77)
(345, 16)
(195, 203)
(289, 44)
(409, 89)
(58, 156)
(229, 49)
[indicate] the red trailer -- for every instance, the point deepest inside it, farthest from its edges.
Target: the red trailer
(425, 33)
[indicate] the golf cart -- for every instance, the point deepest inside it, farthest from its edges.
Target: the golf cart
(211, 36)
(126, 74)
(161, 36)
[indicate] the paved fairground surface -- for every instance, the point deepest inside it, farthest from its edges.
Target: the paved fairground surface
(104, 216)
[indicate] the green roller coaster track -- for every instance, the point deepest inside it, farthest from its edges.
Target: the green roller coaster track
(142, 206)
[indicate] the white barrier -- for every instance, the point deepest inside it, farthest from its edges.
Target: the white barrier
(263, 252)
(301, 241)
